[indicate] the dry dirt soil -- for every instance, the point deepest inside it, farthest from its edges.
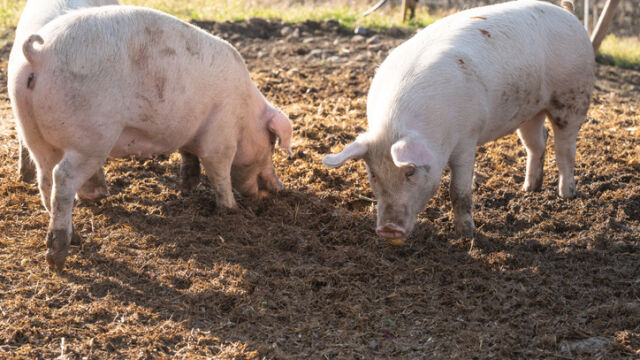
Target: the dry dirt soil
(302, 275)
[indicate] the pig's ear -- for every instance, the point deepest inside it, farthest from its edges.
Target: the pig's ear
(355, 150)
(411, 151)
(280, 125)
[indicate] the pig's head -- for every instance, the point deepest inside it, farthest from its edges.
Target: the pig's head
(252, 173)
(403, 176)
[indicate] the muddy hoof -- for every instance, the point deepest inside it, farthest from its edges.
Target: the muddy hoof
(465, 229)
(92, 198)
(94, 189)
(76, 239)
(27, 175)
(57, 249)
(189, 183)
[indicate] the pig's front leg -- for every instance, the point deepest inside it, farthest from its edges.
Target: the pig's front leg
(460, 193)
(26, 168)
(218, 168)
(95, 188)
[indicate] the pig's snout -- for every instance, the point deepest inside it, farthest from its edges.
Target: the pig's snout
(391, 231)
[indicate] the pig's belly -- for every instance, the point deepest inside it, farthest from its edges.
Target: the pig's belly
(134, 141)
(506, 122)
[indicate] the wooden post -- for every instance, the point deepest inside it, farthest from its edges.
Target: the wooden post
(603, 24)
(586, 15)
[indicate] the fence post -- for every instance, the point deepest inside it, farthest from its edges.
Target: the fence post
(603, 23)
(586, 15)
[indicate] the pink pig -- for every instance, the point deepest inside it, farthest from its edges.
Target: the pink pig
(468, 79)
(121, 80)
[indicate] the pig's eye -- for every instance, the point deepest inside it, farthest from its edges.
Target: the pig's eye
(372, 175)
(410, 172)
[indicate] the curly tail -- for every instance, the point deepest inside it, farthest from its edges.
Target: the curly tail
(568, 5)
(30, 53)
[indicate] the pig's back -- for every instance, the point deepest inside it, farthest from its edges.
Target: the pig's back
(485, 61)
(142, 68)
(134, 37)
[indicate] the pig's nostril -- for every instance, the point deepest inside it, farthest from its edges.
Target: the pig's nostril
(391, 231)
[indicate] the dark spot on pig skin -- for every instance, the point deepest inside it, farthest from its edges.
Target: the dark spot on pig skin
(461, 61)
(77, 100)
(139, 56)
(153, 35)
(168, 52)
(556, 103)
(146, 118)
(485, 33)
(31, 81)
(192, 48)
(160, 82)
(559, 122)
(479, 17)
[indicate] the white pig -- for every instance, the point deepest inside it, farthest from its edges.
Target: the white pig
(35, 15)
(468, 79)
(121, 80)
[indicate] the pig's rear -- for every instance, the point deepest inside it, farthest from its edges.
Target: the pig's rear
(152, 78)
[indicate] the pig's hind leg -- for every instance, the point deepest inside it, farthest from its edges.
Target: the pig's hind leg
(566, 119)
(189, 171)
(534, 135)
(69, 175)
(26, 168)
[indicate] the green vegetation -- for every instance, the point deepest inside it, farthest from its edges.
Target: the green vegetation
(622, 52)
(10, 11)
(239, 10)
(223, 10)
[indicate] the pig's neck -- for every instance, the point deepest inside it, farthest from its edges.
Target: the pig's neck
(439, 142)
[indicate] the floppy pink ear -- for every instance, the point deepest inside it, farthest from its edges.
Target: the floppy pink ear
(410, 151)
(280, 125)
(355, 150)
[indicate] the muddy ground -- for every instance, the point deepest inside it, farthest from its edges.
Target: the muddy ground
(302, 274)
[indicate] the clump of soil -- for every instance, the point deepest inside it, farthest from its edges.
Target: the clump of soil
(302, 274)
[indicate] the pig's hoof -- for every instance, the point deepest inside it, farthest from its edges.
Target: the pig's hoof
(532, 186)
(93, 195)
(188, 184)
(226, 204)
(75, 238)
(57, 248)
(528, 187)
(465, 228)
(27, 174)
(568, 192)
